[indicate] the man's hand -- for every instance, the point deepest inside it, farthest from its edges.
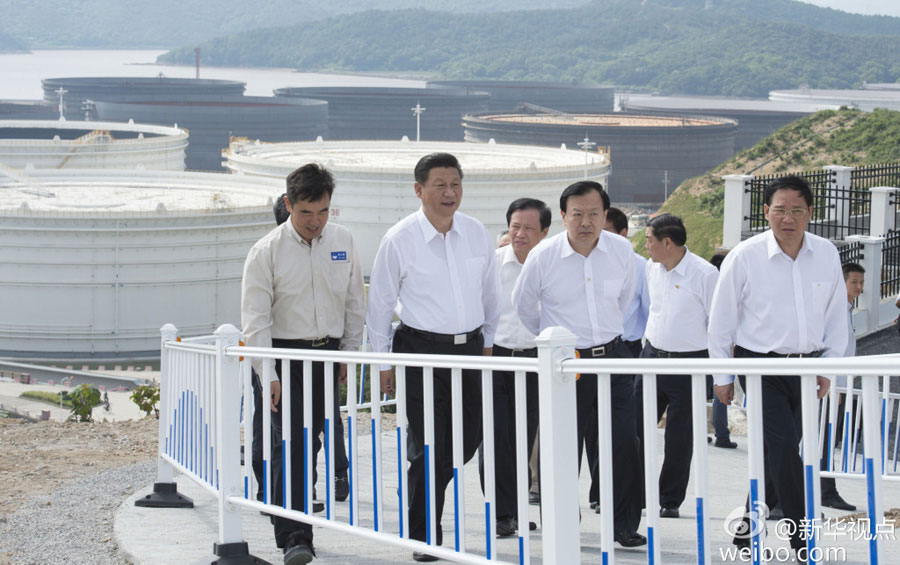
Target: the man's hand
(823, 386)
(275, 388)
(487, 351)
(342, 373)
(387, 381)
(724, 393)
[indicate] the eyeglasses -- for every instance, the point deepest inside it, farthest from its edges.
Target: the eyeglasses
(796, 213)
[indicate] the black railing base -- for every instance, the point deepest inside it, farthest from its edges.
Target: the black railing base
(165, 495)
(237, 553)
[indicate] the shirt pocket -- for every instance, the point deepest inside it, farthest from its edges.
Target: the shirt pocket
(612, 288)
(474, 271)
(821, 292)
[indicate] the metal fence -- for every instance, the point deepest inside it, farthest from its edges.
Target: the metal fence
(851, 252)
(890, 264)
(200, 435)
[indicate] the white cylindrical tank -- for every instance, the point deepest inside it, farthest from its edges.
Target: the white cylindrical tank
(374, 179)
(56, 144)
(94, 262)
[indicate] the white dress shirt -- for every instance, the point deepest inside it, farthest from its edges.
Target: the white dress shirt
(511, 332)
(841, 380)
(765, 301)
(639, 309)
(294, 290)
(587, 295)
(679, 303)
(444, 284)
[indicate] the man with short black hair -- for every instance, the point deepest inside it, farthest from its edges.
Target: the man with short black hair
(681, 286)
(780, 293)
(438, 265)
(302, 289)
(583, 279)
(528, 220)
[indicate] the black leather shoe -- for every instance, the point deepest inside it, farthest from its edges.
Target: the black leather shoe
(341, 488)
(594, 504)
(630, 539)
(668, 512)
(534, 498)
(726, 443)
(423, 557)
(506, 527)
(835, 501)
(532, 526)
(298, 552)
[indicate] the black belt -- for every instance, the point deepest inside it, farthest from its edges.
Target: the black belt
(775, 354)
(313, 343)
(670, 354)
(501, 351)
(600, 350)
(455, 339)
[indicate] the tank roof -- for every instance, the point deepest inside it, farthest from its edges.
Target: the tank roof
(403, 155)
(90, 126)
(443, 92)
(93, 192)
(716, 103)
(607, 120)
(125, 82)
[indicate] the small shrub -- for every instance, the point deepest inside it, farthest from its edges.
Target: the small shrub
(83, 398)
(146, 397)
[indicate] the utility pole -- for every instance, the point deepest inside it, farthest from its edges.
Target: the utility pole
(61, 92)
(197, 59)
(666, 184)
(418, 112)
(586, 144)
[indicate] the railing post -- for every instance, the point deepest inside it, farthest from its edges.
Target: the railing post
(872, 464)
(559, 453)
(870, 299)
(837, 200)
(165, 491)
(882, 217)
(230, 547)
(737, 209)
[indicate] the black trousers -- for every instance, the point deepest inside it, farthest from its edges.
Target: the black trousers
(407, 342)
(284, 528)
(504, 386)
(626, 464)
(782, 427)
(341, 465)
(673, 392)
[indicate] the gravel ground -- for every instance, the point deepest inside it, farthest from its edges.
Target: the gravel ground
(74, 524)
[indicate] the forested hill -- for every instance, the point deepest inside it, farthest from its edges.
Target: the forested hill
(673, 46)
(846, 137)
(140, 24)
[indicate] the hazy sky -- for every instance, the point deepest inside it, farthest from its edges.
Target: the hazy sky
(885, 7)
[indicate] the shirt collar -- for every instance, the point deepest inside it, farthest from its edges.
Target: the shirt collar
(681, 267)
(509, 256)
(289, 228)
(428, 230)
(774, 249)
(567, 248)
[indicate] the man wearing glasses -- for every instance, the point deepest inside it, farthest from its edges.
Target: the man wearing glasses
(780, 294)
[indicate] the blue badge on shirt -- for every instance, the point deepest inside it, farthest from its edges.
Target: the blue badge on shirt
(338, 255)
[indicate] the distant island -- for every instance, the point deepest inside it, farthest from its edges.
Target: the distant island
(734, 48)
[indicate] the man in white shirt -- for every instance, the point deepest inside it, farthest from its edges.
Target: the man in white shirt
(302, 289)
(528, 220)
(854, 279)
(681, 286)
(780, 293)
(583, 279)
(438, 265)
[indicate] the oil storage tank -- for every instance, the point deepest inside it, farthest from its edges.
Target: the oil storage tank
(756, 119)
(865, 100)
(509, 95)
(59, 144)
(76, 91)
(94, 261)
(212, 123)
(27, 110)
(386, 112)
(374, 179)
(651, 154)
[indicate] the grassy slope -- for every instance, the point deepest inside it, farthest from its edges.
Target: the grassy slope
(845, 137)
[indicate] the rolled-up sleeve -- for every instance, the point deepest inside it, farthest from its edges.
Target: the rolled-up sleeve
(256, 304)
(354, 306)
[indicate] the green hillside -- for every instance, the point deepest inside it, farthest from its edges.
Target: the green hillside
(737, 48)
(136, 24)
(845, 137)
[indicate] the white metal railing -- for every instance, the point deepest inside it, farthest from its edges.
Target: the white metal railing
(200, 436)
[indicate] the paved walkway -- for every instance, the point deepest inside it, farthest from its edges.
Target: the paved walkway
(185, 536)
(120, 405)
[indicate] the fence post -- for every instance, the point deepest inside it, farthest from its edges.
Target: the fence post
(870, 299)
(165, 490)
(883, 215)
(230, 547)
(737, 209)
(837, 200)
(872, 465)
(559, 453)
